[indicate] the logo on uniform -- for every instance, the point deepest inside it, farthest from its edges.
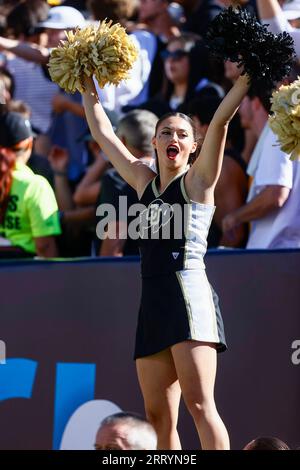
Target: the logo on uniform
(157, 215)
(175, 255)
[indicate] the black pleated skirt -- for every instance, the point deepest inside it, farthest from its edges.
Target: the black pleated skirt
(177, 307)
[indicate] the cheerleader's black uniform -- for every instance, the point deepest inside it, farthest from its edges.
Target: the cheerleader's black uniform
(177, 303)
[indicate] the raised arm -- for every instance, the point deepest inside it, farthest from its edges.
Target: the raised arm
(271, 13)
(136, 173)
(208, 165)
(268, 9)
(25, 50)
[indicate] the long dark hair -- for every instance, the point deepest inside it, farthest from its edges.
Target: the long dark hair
(193, 156)
(202, 64)
(25, 16)
(7, 164)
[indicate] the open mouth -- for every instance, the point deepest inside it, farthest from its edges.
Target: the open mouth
(172, 152)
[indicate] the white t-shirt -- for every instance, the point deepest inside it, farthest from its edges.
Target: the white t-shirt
(279, 24)
(135, 90)
(270, 166)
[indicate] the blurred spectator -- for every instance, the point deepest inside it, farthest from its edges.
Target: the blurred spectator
(76, 221)
(28, 210)
(266, 443)
(156, 16)
(232, 187)
(136, 131)
(115, 10)
(18, 106)
(188, 67)
(59, 159)
(59, 19)
(64, 126)
(145, 77)
(199, 13)
(177, 13)
(277, 15)
(88, 189)
(68, 121)
(273, 201)
(22, 20)
(125, 431)
(232, 72)
(6, 6)
(188, 71)
(77, 202)
(291, 11)
(36, 162)
(38, 92)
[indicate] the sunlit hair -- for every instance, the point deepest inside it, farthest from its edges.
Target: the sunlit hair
(193, 156)
(25, 16)
(116, 10)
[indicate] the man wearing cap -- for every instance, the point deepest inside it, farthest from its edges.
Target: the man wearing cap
(60, 18)
(29, 219)
(63, 127)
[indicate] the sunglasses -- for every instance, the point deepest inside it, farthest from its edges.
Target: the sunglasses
(175, 55)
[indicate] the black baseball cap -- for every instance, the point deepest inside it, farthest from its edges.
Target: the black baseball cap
(14, 128)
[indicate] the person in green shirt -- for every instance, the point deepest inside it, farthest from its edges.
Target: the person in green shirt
(29, 217)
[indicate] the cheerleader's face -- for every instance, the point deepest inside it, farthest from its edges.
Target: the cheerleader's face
(174, 142)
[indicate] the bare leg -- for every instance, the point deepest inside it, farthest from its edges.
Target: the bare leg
(161, 392)
(195, 364)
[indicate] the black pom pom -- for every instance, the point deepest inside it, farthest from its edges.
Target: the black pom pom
(236, 35)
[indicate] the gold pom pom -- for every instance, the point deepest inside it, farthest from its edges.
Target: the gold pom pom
(105, 51)
(285, 121)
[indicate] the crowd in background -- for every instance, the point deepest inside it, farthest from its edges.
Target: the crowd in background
(54, 176)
